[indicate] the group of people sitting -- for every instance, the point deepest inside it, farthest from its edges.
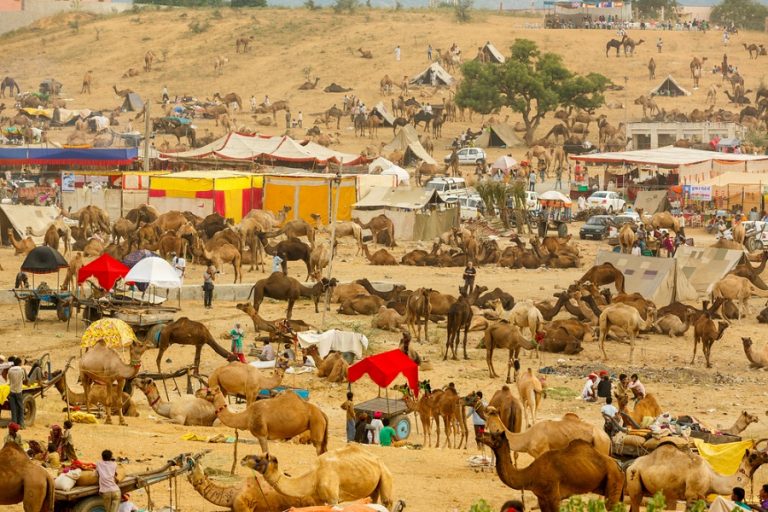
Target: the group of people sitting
(666, 242)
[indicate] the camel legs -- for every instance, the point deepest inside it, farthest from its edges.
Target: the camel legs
(489, 359)
(198, 351)
(706, 347)
(264, 444)
(160, 350)
(290, 309)
(695, 344)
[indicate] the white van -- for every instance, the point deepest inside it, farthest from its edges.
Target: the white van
(448, 188)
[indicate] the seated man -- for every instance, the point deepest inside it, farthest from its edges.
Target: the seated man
(728, 505)
(267, 352)
(588, 392)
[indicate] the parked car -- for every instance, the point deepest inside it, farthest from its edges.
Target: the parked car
(597, 227)
(468, 156)
(611, 201)
(620, 220)
(448, 188)
(471, 207)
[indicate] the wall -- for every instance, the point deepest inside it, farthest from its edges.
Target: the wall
(34, 10)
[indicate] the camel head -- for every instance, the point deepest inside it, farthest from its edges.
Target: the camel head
(247, 308)
(145, 384)
(260, 463)
(494, 440)
(721, 327)
(493, 423)
(756, 457)
(747, 344)
(748, 418)
(136, 350)
(204, 394)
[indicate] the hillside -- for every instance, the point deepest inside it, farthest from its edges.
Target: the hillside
(286, 42)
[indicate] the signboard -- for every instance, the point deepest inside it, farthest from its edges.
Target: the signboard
(67, 182)
(698, 192)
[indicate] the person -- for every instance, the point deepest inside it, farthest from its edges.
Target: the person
(208, 278)
(542, 169)
(375, 427)
(659, 44)
(16, 378)
(254, 104)
(349, 406)
(387, 434)
(277, 264)
(753, 215)
(267, 352)
(622, 388)
(478, 423)
(397, 53)
(287, 118)
(106, 468)
(288, 352)
(609, 409)
(604, 386)
(361, 428)
(179, 265)
(512, 506)
(300, 120)
(470, 272)
(266, 100)
(736, 501)
(641, 235)
(166, 97)
(126, 505)
(559, 177)
(763, 496)
(588, 393)
(13, 435)
(69, 446)
(532, 181)
(636, 249)
(429, 53)
(636, 387)
(56, 438)
(237, 342)
(52, 457)
(668, 245)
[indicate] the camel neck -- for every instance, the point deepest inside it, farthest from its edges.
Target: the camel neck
(506, 470)
(219, 495)
(236, 420)
(297, 487)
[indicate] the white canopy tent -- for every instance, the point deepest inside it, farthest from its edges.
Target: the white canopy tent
(155, 271)
(341, 341)
(505, 163)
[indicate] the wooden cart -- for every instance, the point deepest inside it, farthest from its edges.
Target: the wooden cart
(36, 300)
(144, 318)
(30, 394)
(393, 409)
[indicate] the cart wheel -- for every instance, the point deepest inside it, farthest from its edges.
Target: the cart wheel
(753, 244)
(562, 230)
(92, 504)
(152, 339)
(30, 309)
(63, 311)
(402, 426)
(29, 406)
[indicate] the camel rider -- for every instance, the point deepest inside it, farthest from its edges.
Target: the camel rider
(237, 342)
(428, 109)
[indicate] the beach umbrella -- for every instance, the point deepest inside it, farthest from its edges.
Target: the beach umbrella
(113, 331)
(505, 163)
(156, 271)
(43, 260)
(105, 269)
(136, 256)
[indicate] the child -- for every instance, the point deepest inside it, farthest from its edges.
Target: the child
(52, 459)
(387, 434)
(349, 406)
(106, 468)
(237, 343)
(375, 427)
(69, 446)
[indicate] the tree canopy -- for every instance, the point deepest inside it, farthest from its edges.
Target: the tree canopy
(530, 83)
(654, 8)
(747, 14)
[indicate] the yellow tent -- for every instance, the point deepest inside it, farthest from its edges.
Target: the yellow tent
(232, 194)
(308, 193)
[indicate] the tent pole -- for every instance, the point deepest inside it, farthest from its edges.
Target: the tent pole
(335, 182)
(146, 134)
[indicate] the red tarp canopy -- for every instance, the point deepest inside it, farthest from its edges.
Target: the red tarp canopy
(385, 367)
(105, 269)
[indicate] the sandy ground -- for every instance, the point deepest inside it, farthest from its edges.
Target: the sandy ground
(427, 479)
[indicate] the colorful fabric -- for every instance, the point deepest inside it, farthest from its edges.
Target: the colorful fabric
(724, 458)
(114, 332)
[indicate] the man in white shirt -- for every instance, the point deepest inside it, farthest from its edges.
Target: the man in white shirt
(180, 265)
(16, 377)
(609, 409)
(267, 352)
(589, 393)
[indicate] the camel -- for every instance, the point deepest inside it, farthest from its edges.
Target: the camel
(672, 326)
(387, 320)
(459, 317)
(23, 481)
(575, 469)
(332, 367)
(11, 84)
(628, 319)
(705, 330)
(361, 305)
(614, 43)
(524, 314)
(604, 274)
(346, 291)
(149, 58)
(682, 475)
(123, 228)
(746, 270)
(648, 104)
(283, 417)
(739, 290)
(230, 98)
(696, 67)
(626, 238)
(344, 474)
(236, 378)
(752, 48)
(380, 257)
(218, 64)
(98, 396)
(308, 86)
(343, 229)
(418, 307)
(449, 406)
(424, 407)
(122, 93)
(87, 80)
(184, 331)
(744, 420)
(502, 335)
(630, 45)
(271, 326)
(103, 365)
(21, 246)
(221, 255)
(366, 54)
(550, 434)
(319, 259)
(281, 287)
(288, 250)
(531, 392)
(757, 358)
(647, 407)
(189, 410)
(667, 221)
(295, 229)
(379, 224)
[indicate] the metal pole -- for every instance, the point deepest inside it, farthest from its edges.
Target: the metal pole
(336, 182)
(146, 136)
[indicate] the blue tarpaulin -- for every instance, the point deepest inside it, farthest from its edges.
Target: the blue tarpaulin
(105, 157)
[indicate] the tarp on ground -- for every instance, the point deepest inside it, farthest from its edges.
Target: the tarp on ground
(435, 75)
(86, 157)
(651, 201)
(133, 103)
(658, 279)
(669, 87)
(26, 220)
(231, 194)
(705, 266)
(389, 119)
(499, 136)
(334, 339)
(308, 193)
(407, 140)
(384, 368)
(492, 54)
(267, 149)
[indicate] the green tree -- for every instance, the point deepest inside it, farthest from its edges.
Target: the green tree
(530, 83)
(747, 14)
(654, 8)
(340, 6)
(463, 10)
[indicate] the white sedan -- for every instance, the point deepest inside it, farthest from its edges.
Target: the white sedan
(611, 201)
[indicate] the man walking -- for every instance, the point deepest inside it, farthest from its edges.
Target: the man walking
(532, 180)
(470, 272)
(397, 53)
(16, 378)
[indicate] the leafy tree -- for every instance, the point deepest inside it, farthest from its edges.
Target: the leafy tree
(747, 14)
(654, 8)
(462, 9)
(340, 6)
(530, 83)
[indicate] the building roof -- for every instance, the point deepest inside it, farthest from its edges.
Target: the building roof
(668, 156)
(407, 199)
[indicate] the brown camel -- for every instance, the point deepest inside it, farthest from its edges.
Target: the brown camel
(418, 307)
(666, 220)
(98, 395)
(283, 417)
(380, 257)
(230, 98)
(626, 238)
(149, 58)
(87, 80)
(295, 229)
(449, 407)
(361, 305)
(708, 333)
(502, 335)
(21, 246)
(244, 380)
(744, 420)
(219, 256)
(379, 224)
(253, 494)
(343, 229)
(507, 407)
(188, 410)
(575, 469)
(292, 249)
(651, 69)
(122, 93)
(757, 358)
(103, 365)
(308, 86)
(366, 54)
(184, 331)
(345, 474)
(459, 317)
(281, 287)
(645, 407)
(333, 367)
(603, 274)
(23, 481)
(273, 327)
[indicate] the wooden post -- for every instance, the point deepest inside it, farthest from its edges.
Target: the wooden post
(336, 182)
(147, 134)
(234, 456)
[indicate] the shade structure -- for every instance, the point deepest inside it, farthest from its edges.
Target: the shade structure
(386, 367)
(105, 269)
(554, 195)
(136, 256)
(113, 331)
(505, 163)
(43, 260)
(156, 271)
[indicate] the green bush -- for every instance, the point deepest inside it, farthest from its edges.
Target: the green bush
(340, 6)
(463, 9)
